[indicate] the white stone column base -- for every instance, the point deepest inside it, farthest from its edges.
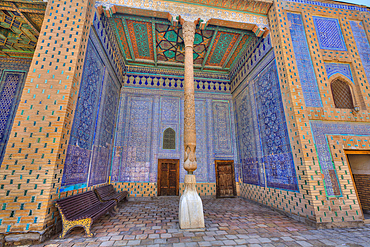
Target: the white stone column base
(191, 206)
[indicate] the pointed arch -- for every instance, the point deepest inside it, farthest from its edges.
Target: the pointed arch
(169, 139)
(342, 91)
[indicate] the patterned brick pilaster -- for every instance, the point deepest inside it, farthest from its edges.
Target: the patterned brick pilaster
(32, 168)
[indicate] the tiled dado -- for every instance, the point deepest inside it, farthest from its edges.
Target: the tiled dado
(142, 189)
(287, 201)
(204, 189)
(137, 189)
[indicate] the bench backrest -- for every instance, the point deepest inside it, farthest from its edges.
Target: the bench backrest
(72, 205)
(105, 190)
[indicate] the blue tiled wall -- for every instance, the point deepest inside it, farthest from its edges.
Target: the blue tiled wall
(304, 63)
(362, 45)
(90, 146)
(264, 148)
(144, 114)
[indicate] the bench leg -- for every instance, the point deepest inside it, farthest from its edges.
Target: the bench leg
(68, 225)
(88, 229)
(112, 212)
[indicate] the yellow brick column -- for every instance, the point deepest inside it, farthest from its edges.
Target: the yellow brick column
(303, 149)
(32, 169)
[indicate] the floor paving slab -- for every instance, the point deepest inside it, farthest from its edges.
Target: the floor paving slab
(228, 221)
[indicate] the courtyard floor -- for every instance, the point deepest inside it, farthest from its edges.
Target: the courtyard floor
(229, 222)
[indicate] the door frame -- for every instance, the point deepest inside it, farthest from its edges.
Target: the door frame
(217, 162)
(346, 152)
(159, 173)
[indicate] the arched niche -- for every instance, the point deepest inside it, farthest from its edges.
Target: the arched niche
(169, 139)
(342, 92)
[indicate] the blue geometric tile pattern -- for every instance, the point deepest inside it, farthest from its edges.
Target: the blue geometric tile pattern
(278, 158)
(221, 127)
(362, 45)
(341, 68)
(84, 123)
(102, 147)
(320, 132)
(133, 164)
(250, 149)
(329, 33)
(143, 116)
(303, 59)
(262, 133)
(11, 85)
(330, 5)
(110, 45)
(201, 130)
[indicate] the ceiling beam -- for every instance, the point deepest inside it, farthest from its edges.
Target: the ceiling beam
(242, 51)
(3, 52)
(233, 50)
(128, 38)
(209, 48)
(27, 20)
(154, 42)
(34, 11)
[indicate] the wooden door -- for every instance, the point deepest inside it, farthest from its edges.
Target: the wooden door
(225, 178)
(168, 177)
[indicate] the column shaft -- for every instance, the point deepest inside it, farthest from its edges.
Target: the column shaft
(190, 163)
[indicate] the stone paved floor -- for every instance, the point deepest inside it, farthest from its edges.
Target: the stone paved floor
(229, 222)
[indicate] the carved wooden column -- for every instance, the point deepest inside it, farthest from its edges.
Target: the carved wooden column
(191, 207)
(190, 162)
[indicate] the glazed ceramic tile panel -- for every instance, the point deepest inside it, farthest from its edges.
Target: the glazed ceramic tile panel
(221, 127)
(90, 147)
(201, 131)
(11, 85)
(170, 118)
(102, 147)
(321, 130)
(76, 166)
(329, 33)
(250, 149)
(363, 46)
(107, 38)
(303, 59)
(160, 110)
(264, 146)
(133, 163)
(278, 158)
(341, 68)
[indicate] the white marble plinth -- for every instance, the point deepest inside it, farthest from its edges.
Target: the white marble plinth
(191, 206)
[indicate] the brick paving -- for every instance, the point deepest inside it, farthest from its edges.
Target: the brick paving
(229, 222)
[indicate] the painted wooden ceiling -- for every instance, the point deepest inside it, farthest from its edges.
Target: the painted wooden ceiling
(156, 42)
(20, 24)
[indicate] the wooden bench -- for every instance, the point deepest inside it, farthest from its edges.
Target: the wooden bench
(82, 210)
(107, 193)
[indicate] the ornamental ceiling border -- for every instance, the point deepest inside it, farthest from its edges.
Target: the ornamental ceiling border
(336, 5)
(190, 11)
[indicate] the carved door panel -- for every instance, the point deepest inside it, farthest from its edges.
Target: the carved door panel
(225, 178)
(168, 177)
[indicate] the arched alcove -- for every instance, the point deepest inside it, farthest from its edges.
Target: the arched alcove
(169, 139)
(342, 94)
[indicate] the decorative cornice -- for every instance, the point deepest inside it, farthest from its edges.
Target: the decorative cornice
(337, 5)
(190, 12)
